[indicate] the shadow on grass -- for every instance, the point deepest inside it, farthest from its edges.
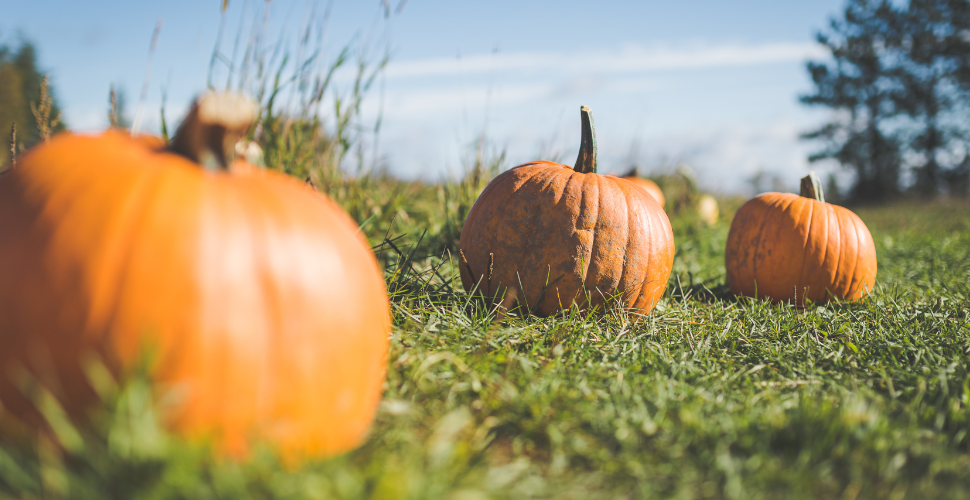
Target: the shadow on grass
(707, 291)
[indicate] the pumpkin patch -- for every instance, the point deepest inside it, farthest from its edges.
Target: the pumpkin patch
(353, 283)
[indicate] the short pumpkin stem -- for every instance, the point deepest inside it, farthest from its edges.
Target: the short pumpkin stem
(812, 187)
(586, 161)
(215, 123)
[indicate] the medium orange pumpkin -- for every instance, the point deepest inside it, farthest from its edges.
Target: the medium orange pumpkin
(545, 236)
(263, 305)
(648, 185)
(790, 248)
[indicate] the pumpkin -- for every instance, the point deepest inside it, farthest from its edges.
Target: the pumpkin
(262, 306)
(648, 185)
(707, 209)
(790, 248)
(544, 236)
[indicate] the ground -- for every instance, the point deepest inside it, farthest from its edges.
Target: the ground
(710, 396)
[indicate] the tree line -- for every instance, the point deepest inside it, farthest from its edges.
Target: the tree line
(898, 83)
(20, 96)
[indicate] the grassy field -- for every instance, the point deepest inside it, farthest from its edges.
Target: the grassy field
(708, 397)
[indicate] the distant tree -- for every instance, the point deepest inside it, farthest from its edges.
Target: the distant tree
(833, 193)
(899, 84)
(958, 178)
(935, 76)
(858, 86)
(20, 82)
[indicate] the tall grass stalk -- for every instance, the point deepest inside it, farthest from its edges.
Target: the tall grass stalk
(13, 145)
(42, 110)
(311, 123)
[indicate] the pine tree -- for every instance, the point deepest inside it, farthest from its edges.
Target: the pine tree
(934, 71)
(859, 86)
(899, 84)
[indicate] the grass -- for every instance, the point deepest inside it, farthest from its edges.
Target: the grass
(708, 397)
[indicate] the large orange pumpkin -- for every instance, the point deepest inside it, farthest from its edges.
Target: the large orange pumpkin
(262, 304)
(545, 236)
(648, 185)
(790, 248)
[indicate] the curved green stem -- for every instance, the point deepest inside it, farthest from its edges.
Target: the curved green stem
(812, 187)
(586, 161)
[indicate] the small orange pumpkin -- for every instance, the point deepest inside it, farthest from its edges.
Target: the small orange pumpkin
(790, 248)
(545, 236)
(648, 185)
(264, 306)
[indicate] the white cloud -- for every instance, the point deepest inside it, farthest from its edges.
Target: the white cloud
(727, 157)
(426, 102)
(724, 120)
(435, 102)
(627, 60)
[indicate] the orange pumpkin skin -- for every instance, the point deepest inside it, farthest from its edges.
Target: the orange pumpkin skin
(581, 233)
(263, 306)
(788, 248)
(650, 186)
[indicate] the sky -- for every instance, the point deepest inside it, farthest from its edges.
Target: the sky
(712, 84)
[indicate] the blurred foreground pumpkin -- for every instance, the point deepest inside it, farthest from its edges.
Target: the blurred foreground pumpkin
(648, 185)
(544, 236)
(788, 247)
(262, 305)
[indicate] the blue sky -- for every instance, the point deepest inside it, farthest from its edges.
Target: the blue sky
(713, 84)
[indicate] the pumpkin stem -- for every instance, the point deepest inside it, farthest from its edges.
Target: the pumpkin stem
(812, 187)
(215, 123)
(586, 161)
